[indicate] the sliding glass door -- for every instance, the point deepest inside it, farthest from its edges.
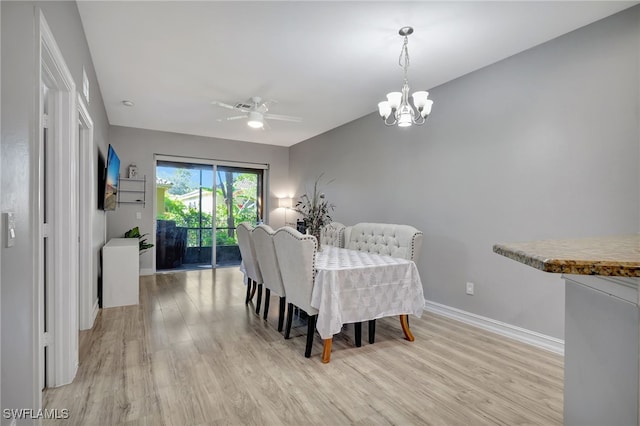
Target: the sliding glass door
(196, 201)
(240, 190)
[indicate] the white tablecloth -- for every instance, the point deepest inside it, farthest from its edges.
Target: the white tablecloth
(354, 286)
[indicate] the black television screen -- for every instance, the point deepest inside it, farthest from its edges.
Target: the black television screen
(111, 180)
(100, 175)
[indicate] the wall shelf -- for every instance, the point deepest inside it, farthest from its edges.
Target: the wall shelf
(132, 191)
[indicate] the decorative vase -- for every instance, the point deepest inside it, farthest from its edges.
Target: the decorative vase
(316, 233)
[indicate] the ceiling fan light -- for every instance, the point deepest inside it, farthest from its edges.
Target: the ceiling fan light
(420, 98)
(384, 109)
(256, 120)
(394, 99)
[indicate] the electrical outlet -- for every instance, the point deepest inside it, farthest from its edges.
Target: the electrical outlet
(470, 289)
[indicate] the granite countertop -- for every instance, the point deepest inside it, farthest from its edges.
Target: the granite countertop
(611, 256)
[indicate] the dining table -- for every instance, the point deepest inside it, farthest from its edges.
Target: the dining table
(354, 286)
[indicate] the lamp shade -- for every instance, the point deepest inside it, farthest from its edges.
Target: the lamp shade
(384, 109)
(285, 202)
(427, 108)
(420, 98)
(394, 99)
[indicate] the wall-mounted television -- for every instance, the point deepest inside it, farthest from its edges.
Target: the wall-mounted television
(100, 172)
(112, 173)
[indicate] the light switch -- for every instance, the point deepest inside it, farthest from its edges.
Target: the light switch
(10, 228)
(138, 215)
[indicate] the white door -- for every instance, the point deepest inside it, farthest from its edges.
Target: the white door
(55, 232)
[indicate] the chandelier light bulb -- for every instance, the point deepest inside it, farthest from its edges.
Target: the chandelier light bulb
(404, 116)
(397, 110)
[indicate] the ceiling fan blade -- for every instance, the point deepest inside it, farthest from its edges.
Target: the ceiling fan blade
(236, 117)
(222, 104)
(267, 104)
(283, 118)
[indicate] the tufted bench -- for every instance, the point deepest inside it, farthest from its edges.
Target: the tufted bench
(402, 241)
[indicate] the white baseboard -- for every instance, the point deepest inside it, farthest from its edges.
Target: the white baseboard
(533, 338)
(146, 271)
(94, 312)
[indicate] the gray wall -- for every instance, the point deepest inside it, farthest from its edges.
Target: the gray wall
(2, 236)
(139, 146)
(541, 145)
(18, 158)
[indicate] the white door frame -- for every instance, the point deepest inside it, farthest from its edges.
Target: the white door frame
(62, 360)
(86, 203)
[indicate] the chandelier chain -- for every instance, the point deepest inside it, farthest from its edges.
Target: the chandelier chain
(403, 59)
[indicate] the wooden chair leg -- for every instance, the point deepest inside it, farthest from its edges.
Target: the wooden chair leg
(253, 289)
(404, 322)
(358, 330)
(259, 299)
(283, 303)
(372, 331)
(287, 330)
(248, 297)
(267, 297)
(311, 326)
(326, 350)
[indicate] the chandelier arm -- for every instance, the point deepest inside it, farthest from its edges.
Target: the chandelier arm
(391, 116)
(419, 120)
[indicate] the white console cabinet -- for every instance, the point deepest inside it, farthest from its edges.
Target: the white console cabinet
(120, 272)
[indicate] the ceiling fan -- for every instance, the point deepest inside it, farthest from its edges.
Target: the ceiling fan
(255, 110)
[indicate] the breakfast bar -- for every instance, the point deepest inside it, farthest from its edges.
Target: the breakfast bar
(602, 323)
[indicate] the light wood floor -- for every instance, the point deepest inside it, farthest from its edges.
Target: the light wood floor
(192, 353)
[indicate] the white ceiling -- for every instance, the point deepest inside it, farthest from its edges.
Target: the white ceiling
(325, 61)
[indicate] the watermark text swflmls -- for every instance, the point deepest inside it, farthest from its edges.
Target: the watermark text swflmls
(30, 413)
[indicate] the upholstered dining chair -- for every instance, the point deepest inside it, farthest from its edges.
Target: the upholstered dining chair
(251, 266)
(401, 241)
(333, 234)
(268, 262)
(296, 254)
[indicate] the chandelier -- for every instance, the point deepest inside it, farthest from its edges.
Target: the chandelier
(397, 109)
